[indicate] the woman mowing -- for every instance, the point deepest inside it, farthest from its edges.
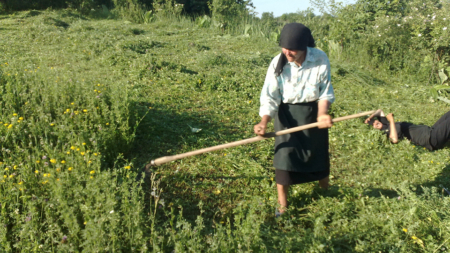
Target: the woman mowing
(298, 91)
(432, 138)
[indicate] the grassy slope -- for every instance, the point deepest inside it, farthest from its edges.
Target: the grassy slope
(178, 76)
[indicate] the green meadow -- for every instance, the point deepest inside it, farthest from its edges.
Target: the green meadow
(86, 103)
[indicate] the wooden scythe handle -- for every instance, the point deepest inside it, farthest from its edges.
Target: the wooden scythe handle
(167, 159)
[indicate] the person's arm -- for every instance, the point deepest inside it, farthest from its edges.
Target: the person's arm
(393, 135)
(326, 97)
(377, 113)
(323, 118)
(260, 128)
(270, 99)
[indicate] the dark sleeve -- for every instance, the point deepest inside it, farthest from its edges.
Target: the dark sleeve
(400, 133)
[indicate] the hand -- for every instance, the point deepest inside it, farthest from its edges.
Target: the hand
(390, 117)
(260, 128)
(367, 120)
(324, 121)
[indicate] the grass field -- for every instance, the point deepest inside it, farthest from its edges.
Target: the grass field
(86, 103)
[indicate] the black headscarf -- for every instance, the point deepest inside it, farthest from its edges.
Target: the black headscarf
(294, 36)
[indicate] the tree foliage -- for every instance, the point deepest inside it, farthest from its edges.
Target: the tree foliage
(190, 7)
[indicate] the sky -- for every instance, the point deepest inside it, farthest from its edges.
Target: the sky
(280, 7)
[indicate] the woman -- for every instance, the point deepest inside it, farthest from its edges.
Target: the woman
(298, 91)
(432, 138)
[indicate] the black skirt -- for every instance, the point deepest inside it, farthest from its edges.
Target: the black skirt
(303, 156)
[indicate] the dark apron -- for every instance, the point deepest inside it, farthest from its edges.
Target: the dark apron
(303, 151)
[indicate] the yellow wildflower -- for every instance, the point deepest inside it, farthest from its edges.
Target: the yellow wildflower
(92, 172)
(84, 110)
(10, 126)
(107, 124)
(405, 230)
(72, 147)
(58, 169)
(82, 153)
(95, 154)
(21, 118)
(38, 161)
(14, 114)
(36, 171)
(84, 143)
(63, 162)
(53, 160)
(52, 124)
(20, 183)
(127, 167)
(15, 167)
(414, 237)
(68, 152)
(70, 169)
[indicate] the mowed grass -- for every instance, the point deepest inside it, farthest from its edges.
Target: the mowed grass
(99, 99)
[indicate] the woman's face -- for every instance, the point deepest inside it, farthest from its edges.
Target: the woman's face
(377, 124)
(292, 55)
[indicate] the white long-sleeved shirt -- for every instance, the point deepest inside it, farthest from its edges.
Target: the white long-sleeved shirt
(307, 83)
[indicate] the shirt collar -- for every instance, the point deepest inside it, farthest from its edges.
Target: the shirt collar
(310, 54)
(309, 57)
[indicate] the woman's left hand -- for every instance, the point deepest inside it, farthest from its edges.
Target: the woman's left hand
(324, 121)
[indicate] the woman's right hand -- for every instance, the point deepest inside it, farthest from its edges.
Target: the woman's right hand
(260, 128)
